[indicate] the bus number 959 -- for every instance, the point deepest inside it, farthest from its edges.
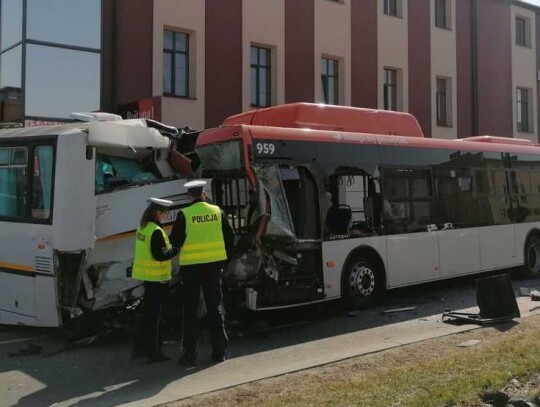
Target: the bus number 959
(265, 148)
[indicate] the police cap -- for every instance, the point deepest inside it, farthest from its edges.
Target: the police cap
(195, 187)
(160, 204)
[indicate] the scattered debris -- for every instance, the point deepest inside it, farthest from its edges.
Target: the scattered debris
(525, 291)
(495, 398)
(513, 394)
(471, 342)
(496, 300)
(403, 309)
(265, 328)
(30, 350)
(535, 295)
(81, 343)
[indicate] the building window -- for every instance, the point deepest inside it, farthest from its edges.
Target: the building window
(261, 77)
(392, 8)
(390, 89)
(443, 98)
(442, 14)
(523, 98)
(330, 80)
(175, 64)
(522, 30)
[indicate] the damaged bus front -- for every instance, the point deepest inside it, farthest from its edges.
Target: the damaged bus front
(275, 206)
(70, 200)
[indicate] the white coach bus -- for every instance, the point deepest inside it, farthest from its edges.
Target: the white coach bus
(70, 199)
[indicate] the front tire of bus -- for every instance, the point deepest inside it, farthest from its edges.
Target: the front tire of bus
(363, 283)
(532, 257)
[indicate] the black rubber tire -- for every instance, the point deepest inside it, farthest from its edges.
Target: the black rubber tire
(532, 257)
(362, 283)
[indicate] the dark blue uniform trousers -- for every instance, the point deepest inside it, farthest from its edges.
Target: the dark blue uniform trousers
(208, 277)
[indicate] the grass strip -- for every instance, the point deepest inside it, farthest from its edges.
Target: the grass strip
(456, 378)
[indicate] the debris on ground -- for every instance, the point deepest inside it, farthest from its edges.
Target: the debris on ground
(81, 343)
(468, 343)
(525, 291)
(512, 394)
(535, 295)
(403, 309)
(30, 350)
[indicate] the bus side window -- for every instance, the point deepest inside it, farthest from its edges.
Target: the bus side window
(13, 185)
(407, 200)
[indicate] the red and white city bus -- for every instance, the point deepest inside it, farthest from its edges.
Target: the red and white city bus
(340, 202)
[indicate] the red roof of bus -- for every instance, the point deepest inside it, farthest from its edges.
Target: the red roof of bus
(335, 124)
(329, 117)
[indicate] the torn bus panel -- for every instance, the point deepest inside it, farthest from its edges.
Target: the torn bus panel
(276, 255)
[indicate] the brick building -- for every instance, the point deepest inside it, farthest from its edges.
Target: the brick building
(462, 67)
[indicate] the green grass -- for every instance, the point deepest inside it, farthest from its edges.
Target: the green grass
(439, 380)
(425, 374)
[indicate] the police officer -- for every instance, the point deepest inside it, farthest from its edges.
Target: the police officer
(152, 264)
(205, 239)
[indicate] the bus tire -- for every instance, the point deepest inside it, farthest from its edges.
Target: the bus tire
(532, 256)
(363, 282)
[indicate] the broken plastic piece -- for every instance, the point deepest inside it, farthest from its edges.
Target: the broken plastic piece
(391, 311)
(535, 295)
(468, 343)
(496, 300)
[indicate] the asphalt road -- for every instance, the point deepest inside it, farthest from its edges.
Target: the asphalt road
(37, 368)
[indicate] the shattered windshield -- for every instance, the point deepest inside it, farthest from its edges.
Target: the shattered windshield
(280, 223)
(221, 156)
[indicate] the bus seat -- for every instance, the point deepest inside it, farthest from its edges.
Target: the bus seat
(338, 219)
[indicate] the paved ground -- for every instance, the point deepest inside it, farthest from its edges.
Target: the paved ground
(104, 375)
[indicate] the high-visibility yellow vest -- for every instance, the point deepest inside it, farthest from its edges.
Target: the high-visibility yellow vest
(204, 237)
(145, 266)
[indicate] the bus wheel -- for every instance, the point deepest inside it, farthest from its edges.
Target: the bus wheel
(532, 257)
(362, 282)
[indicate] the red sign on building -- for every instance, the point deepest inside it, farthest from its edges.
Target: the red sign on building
(142, 109)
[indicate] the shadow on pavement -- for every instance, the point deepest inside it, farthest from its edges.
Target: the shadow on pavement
(105, 375)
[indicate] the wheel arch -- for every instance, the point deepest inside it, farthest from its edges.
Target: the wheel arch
(373, 255)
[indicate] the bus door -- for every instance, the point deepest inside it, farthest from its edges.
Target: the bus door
(410, 225)
(302, 196)
(459, 244)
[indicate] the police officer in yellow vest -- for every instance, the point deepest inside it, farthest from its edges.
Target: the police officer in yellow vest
(205, 239)
(152, 264)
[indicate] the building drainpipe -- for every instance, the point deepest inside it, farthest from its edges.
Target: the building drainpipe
(474, 66)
